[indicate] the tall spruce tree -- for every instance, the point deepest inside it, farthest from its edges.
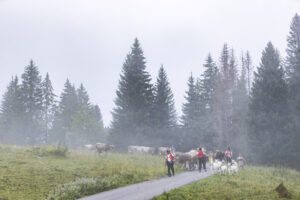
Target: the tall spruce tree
(223, 98)
(164, 110)
(132, 116)
(97, 115)
(240, 102)
(293, 72)
(268, 114)
(208, 83)
(83, 98)
(86, 126)
(164, 105)
(191, 113)
(190, 109)
(101, 132)
(32, 100)
(49, 106)
(209, 79)
(11, 114)
(67, 108)
(293, 55)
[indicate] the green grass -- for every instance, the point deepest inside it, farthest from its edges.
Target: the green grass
(252, 183)
(28, 173)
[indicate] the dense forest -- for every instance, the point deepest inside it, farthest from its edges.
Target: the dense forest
(31, 115)
(255, 112)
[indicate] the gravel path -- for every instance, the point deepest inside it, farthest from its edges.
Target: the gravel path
(149, 189)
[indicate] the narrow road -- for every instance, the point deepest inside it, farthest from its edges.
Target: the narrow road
(149, 189)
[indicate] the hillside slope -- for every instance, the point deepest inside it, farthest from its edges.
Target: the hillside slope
(28, 173)
(252, 183)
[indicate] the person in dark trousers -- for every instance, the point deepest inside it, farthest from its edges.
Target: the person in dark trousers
(202, 159)
(228, 155)
(170, 163)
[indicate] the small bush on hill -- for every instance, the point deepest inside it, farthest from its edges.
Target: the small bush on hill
(82, 187)
(58, 151)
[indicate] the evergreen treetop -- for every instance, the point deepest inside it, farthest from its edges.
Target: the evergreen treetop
(164, 106)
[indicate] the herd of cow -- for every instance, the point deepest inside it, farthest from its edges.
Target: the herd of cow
(102, 147)
(188, 160)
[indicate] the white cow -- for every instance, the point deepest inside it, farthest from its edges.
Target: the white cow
(102, 147)
(162, 151)
(223, 169)
(233, 168)
(216, 166)
(90, 147)
(141, 149)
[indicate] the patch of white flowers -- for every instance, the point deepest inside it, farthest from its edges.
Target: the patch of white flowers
(79, 188)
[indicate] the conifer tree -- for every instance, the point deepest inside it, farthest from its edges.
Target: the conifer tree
(209, 78)
(11, 114)
(49, 106)
(87, 125)
(98, 130)
(240, 102)
(133, 112)
(191, 114)
(268, 110)
(208, 84)
(293, 55)
(164, 105)
(97, 115)
(67, 108)
(223, 98)
(190, 109)
(83, 98)
(32, 100)
(293, 78)
(165, 119)
(247, 64)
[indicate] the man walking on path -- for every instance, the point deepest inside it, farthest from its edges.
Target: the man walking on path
(170, 163)
(201, 159)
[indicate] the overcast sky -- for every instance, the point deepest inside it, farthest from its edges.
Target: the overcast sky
(87, 40)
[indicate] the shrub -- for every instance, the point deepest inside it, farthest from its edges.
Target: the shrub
(58, 151)
(80, 188)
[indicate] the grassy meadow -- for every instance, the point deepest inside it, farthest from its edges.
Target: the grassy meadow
(28, 173)
(251, 183)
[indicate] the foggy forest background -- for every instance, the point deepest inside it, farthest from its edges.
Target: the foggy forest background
(255, 112)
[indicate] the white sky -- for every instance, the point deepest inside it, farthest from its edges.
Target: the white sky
(87, 40)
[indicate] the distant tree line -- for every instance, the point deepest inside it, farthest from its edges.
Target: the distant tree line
(213, 115)
(256, 114)
(31, 115)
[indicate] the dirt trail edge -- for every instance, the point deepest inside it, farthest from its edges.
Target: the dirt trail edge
(149, 189)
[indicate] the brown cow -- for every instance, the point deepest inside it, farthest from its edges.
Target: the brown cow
(187, 160)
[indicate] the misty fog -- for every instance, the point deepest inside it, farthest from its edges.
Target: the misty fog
(86, 40)
(184, 74)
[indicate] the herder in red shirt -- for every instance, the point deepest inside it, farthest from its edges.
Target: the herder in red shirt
(202, 160)
(228, 155)
(170, 163)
